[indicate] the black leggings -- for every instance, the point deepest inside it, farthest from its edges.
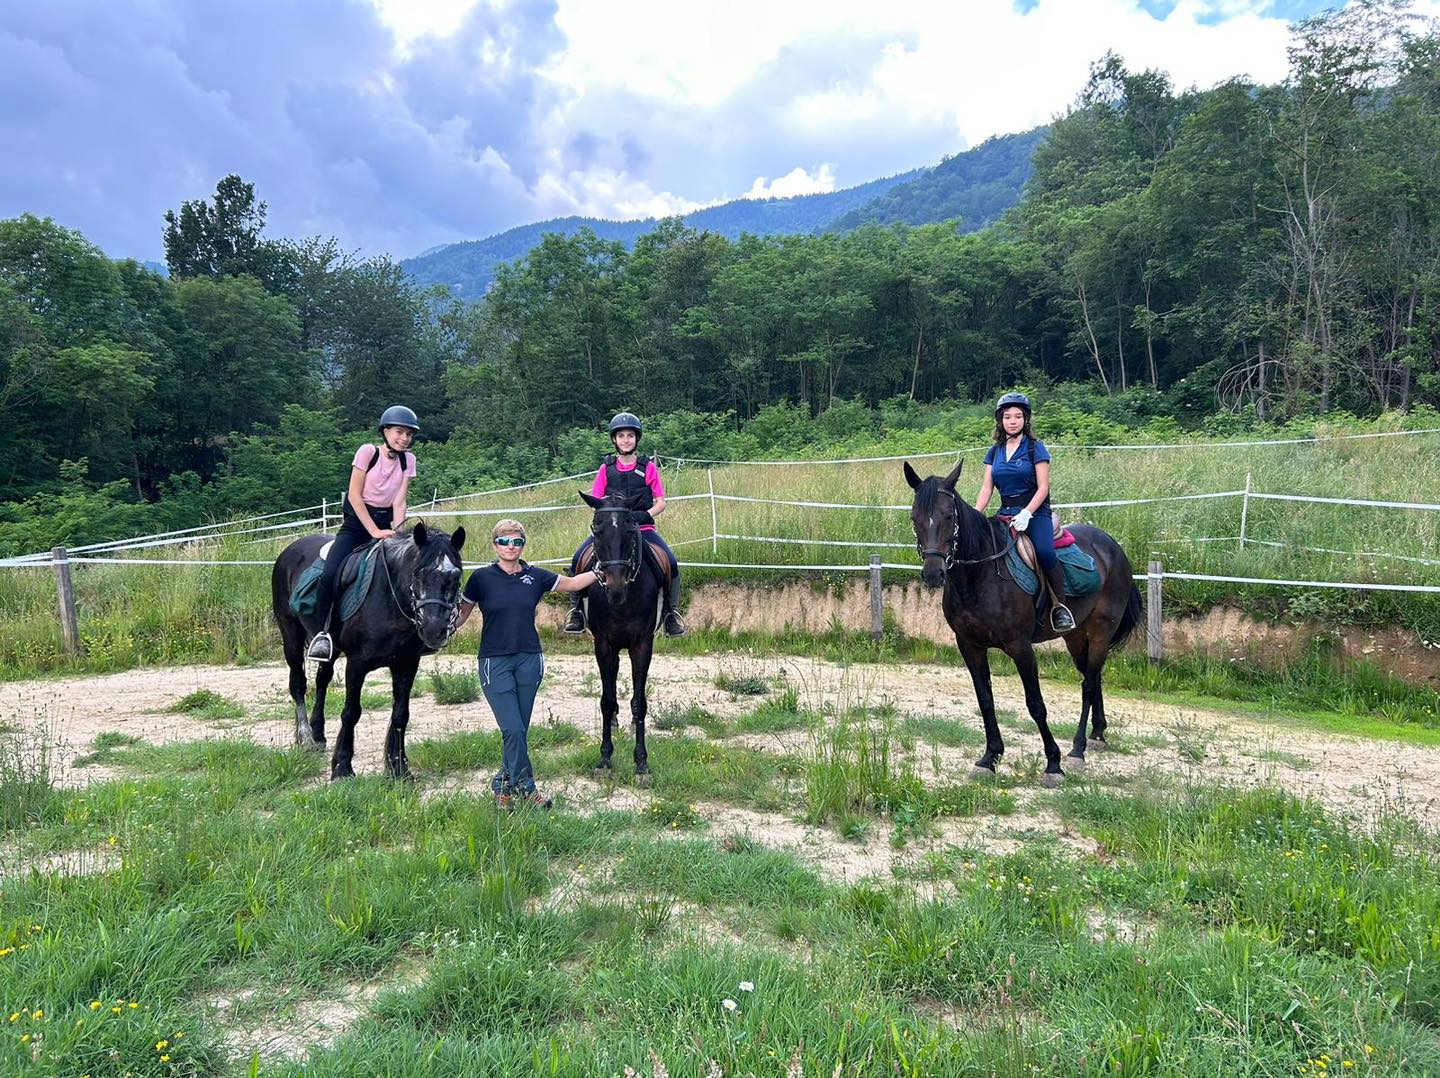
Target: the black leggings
(351, 538)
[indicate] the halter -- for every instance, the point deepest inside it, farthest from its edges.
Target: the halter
(949, 555)
(418, 601)
(631, 562)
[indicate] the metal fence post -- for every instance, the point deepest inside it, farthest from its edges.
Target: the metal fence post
(1244, 510)
(877, 600)
(1154, 638)
(714, 527)
(324, 514)
(65, 588)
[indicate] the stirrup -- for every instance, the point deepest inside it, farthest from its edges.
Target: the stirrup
(575, 623)
(322, 648)
(674, 624)
(1055, 617)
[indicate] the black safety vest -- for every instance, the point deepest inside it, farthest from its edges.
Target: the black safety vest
(630, 485)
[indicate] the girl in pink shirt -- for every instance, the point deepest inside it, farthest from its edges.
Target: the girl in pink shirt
(374, 504)
(637, 478)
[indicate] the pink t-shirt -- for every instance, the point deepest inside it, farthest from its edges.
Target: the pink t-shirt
(382, 482)
(652, 480)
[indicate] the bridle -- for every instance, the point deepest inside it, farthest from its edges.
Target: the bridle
(631, 562)
(418, 601)
(949, 555)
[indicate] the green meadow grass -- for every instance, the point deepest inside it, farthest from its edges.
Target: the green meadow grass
(1223, 932)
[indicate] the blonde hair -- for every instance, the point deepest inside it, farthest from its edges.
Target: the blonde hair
(506, 527)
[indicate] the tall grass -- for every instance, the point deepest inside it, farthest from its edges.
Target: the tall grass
(135, 615)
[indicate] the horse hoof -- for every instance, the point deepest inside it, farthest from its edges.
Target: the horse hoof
(642, 778)
(337, 776)
(310, 744)
(978, 772)
(1052, 779)
(1097, 744)
(1075, 763)
(603, 771)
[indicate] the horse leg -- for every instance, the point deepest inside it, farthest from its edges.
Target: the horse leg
(323, 675)
(402, 678)
(1024, 656)
(607, 658)
(978, 663)
(341, 763)
(295, 660)
(1079, 645)
(640, 654)
(1097, 704)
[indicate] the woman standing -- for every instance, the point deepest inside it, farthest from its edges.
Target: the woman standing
(374, 506)
(1019, 465)
(507, 591)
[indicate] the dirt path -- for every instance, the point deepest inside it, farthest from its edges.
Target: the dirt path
(1351, 774)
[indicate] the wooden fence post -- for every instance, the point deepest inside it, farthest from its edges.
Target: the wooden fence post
(1154, 639)
(1244, 510)
(877, 600)
(69, 623)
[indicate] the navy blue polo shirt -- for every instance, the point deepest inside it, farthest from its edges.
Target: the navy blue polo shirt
(507, 603)
(1015, 478)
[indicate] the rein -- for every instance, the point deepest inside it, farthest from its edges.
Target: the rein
(949, 555)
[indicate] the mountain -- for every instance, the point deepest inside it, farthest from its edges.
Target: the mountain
(976, 186)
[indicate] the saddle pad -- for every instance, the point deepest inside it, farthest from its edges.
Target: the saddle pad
(1081, 576)
(356, 576)
(658, 561)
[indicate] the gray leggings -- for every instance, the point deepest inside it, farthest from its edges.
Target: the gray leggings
(510, 683)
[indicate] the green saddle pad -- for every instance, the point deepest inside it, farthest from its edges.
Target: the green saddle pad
(1081, 576)
(302, 596)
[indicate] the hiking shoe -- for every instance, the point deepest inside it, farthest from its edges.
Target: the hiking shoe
(535, 799)
(504, 802)
(575, 623)
(322, 648)
(1061, 620)
(674, 624)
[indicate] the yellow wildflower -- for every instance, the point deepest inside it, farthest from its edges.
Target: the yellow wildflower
(114, 1010)
(25, 1039)
(160, 1046)
(95, 1004)
(164, 1059)
(38, 1014)
(16, 1016)
(133, 1005)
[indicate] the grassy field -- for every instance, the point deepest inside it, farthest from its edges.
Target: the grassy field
(213, 908)
(135, 615)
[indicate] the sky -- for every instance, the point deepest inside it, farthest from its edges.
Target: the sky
(397, 125)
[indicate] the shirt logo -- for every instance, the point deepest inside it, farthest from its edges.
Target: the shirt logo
(527, 579)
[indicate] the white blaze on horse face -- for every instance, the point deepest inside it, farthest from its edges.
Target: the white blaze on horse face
(448, 566)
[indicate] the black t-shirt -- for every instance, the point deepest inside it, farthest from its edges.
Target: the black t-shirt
(507, 603)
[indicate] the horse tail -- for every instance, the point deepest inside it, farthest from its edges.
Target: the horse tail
(1129, 619)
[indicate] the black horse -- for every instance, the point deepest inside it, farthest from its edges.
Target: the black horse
(964, 550)
(409, 611)
(623, 603)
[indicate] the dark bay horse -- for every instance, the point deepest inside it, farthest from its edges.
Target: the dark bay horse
(623, 603)
(964, 550)
(409, 611)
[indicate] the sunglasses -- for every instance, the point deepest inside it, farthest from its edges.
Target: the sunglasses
(510, 540)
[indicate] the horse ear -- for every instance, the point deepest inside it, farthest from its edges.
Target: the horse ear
(419, 533)
(458, 539)
(954, 475)
(590, 500)
(911, 478)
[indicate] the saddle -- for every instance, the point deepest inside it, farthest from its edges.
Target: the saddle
(657, 560)
(1026, 545)
(353, 584)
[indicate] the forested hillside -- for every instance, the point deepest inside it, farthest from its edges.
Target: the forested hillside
(1258, 253)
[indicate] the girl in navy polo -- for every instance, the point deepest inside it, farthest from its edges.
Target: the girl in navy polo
(507, 591)
(1018, 465)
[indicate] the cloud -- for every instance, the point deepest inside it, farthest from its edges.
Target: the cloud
(399, 124)
(795, 182)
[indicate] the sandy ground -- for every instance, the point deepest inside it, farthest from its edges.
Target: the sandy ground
(1351, 774)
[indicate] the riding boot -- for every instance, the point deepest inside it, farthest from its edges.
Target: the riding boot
(1061, 620)
(575, 623)
(674, 623)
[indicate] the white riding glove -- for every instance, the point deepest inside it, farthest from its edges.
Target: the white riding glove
(1021, 520)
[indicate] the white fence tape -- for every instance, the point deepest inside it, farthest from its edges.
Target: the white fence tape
(509, 490)
(1429, 506)
(808, 542)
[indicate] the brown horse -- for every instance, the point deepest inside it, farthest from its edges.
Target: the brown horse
(964, 550)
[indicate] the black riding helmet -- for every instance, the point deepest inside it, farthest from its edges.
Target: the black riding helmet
(1011, 400)
(626, 421)
(397, 415)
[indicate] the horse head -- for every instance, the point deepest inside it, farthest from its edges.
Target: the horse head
(432, 565)
(616, 531)
(936, 516)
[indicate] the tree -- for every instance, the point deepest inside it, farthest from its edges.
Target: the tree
(222, 238)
